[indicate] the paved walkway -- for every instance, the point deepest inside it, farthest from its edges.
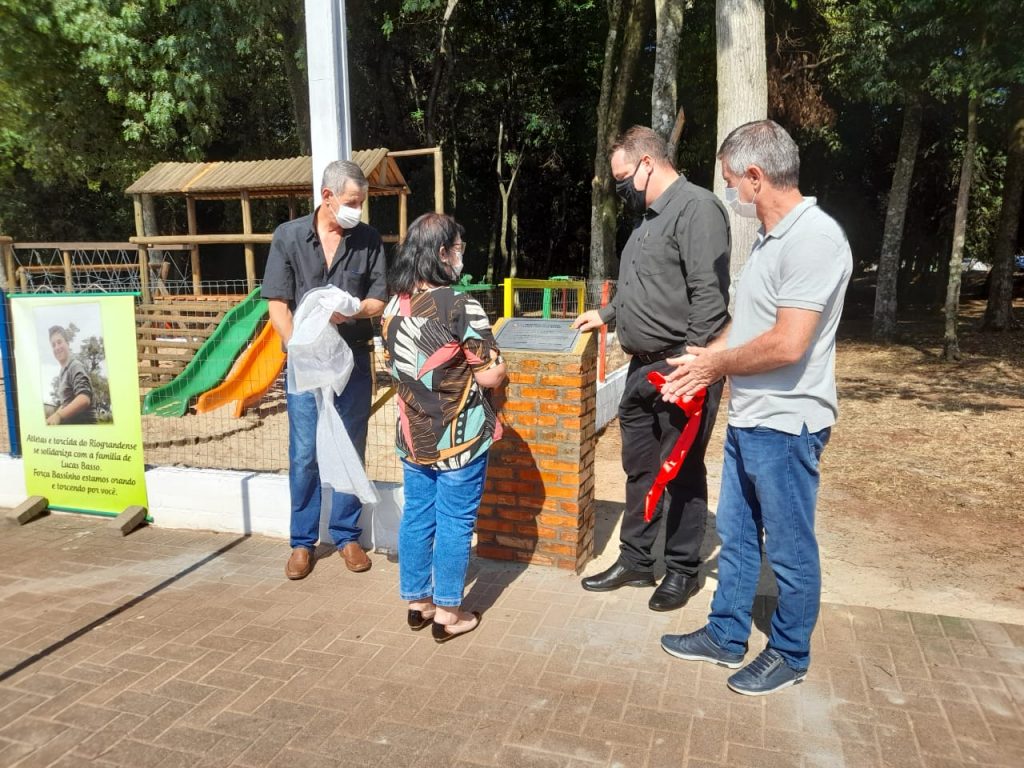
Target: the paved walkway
(171, 648)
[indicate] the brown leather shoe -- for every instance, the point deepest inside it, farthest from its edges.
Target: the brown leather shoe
(354, 557)
(299, 564)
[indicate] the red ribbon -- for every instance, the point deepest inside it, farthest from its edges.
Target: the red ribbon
(670, 468)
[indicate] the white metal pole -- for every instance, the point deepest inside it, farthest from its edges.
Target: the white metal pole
(327, 60)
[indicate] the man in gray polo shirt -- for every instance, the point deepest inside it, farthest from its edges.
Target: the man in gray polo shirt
(779, 355)
(329, 247)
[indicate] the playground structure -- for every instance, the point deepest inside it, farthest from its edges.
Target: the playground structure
(177, 314)
(212, 360)
(289, 179)
(209, 359)
(207, 381)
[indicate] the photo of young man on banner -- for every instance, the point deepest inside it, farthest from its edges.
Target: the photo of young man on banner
(78, 392)
(78, 399)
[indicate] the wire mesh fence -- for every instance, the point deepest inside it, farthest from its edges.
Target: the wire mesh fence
(5, 439)
(96, 268)
(190, 346)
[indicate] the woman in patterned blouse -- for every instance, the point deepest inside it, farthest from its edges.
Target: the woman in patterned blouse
(441, 353)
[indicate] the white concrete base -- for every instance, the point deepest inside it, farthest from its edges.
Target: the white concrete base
(253, 502)
(12, 482)
(232, 502)
(609, 393)
(258, 503)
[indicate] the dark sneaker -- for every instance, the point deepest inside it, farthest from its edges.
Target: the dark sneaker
(698, 646)
(768, 673)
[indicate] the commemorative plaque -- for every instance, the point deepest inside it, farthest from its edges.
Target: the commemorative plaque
(537, 334)
(538, 498)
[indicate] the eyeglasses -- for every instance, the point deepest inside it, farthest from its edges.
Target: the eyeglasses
(460, 248)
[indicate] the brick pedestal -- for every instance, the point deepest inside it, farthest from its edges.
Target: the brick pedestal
(538, 503)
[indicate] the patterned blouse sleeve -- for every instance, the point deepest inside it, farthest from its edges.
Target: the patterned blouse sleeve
(472, 329)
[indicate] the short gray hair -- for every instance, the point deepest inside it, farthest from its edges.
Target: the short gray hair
(766, 144)
(341, 172)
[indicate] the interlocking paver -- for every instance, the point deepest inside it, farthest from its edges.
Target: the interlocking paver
(234, 665)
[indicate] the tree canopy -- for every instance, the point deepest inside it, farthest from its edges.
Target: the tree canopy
(95, 91)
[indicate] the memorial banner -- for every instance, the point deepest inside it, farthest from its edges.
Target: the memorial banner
(78, 400)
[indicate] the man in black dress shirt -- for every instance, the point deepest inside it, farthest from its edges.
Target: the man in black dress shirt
(329, 247)
(672, 292)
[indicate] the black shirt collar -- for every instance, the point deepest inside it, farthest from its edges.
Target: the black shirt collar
(663, 199)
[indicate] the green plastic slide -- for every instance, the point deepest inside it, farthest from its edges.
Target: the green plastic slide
(211, 361)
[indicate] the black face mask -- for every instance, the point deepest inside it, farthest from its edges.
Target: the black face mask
(634, 200)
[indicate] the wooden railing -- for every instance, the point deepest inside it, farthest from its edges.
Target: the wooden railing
(7, 260)
(60, 259)
(192, 243)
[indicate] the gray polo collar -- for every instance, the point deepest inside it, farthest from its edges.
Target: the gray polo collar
(789, 219)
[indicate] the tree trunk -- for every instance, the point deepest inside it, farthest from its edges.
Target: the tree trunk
(507, 241)
(293, 36)
(157, 259)
(439, 66)
(493, 268)
(998, 313)
(503, 192)
(668, 29)
(951, 344)
(626, 18)
(503, 233)
(513, 244)
(742, 95)
(883, 326)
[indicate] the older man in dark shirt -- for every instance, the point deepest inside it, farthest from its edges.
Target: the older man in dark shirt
(672, 291)
(329, 247)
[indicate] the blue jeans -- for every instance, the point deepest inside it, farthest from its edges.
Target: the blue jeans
(769, 492)
(437, 530)
(353, 405)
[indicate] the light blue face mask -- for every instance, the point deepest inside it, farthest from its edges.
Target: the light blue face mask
(745, 210)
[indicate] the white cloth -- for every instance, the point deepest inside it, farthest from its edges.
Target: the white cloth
(320, 361)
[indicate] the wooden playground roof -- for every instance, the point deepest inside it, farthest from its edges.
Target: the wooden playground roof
(287, 177)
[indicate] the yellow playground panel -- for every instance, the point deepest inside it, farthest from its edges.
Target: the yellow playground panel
(557, 297)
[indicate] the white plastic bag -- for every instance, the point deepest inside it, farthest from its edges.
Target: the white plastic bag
(320, 361)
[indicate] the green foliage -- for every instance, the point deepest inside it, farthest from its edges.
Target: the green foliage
(93, 353)
(527, 67)
(884, 48)
(96, 91)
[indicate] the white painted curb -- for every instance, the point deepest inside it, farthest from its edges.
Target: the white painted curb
(253, 502)
(232, 502)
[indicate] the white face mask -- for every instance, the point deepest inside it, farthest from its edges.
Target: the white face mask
(348, 217)
(454, 261)
(745, 210)
(456, 267)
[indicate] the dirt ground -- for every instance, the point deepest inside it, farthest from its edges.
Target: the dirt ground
(921, 502)
(921, 505)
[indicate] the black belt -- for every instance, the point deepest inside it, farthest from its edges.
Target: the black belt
(646, 358)
(361, 344)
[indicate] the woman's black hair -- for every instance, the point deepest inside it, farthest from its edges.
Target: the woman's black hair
(417, 259)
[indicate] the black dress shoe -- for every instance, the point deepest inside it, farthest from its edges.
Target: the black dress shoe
(617, 576)
(674, 592)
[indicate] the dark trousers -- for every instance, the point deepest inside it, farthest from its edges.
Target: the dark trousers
(650, 428)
